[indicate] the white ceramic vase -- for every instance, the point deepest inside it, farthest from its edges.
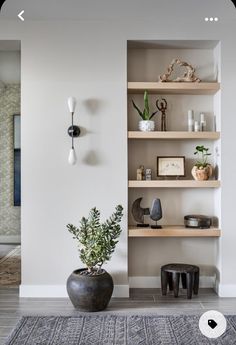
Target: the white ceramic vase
(146, 126)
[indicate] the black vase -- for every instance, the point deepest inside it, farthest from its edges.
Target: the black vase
(90, 293)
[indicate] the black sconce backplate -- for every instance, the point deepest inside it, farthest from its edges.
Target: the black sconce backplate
(74, 131)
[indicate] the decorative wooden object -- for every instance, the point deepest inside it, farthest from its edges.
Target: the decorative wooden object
(162, 107)
(189, 76)
(170, 275)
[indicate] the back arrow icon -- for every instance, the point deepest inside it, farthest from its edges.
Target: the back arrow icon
(20, 15)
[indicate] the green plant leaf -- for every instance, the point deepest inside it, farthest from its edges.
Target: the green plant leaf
(146, 104)
(138, 110)
(153, 115)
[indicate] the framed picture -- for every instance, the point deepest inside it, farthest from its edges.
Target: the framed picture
(171, 166)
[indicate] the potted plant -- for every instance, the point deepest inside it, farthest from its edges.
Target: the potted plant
(202, 170)
(90, 288)
(146, 124)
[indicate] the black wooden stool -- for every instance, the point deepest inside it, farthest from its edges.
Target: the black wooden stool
(170, 275)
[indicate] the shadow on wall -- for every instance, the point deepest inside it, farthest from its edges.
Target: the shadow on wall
(94, 156)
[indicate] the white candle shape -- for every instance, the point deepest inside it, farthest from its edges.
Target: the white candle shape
(72, 157)
(71, 104)
(190, 120)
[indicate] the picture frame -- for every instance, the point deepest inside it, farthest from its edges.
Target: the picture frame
(171, 166)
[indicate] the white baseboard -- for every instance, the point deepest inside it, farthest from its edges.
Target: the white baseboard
(59, 291)
(10, 239)
(226, 290)
(155, 282)
(121, 291)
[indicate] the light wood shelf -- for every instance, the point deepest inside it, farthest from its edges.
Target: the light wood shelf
(174, 184)
(174, 135)
(174, 88)
(173, 231)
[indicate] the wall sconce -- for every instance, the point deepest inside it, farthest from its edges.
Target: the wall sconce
(73, 131)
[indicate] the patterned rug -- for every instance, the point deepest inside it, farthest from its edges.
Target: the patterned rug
(116, 330)
(10, 268)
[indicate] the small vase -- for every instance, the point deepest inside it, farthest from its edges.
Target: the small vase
(202, 174)
(146, 126)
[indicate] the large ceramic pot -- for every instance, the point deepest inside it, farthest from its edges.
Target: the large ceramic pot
(146, 126)
(90, 293)
(202, 173)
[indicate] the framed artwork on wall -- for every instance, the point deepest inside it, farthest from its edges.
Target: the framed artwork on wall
(173, 166)
(17, 160)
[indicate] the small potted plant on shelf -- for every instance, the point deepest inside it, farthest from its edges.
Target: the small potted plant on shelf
(90, 288)
(146, 124)
(202, 170)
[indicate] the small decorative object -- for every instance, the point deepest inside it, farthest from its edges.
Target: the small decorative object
(138, 213)
(202, 170)
(197, 221)
(171, 166)
(189, 75)
(148, 174)
(140, 173)
(202, 122)
(146, 124)
(162, 106)
(156, 213)
(90, 288)
(196, 126)
(190, 121)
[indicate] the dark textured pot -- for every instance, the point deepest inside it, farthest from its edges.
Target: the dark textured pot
(90, 293)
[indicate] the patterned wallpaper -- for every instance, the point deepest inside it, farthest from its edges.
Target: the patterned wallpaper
(9, 215)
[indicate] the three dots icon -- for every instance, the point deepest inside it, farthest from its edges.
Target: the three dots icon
(211, 19)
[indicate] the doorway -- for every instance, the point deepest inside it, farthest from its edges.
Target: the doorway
(10, 163)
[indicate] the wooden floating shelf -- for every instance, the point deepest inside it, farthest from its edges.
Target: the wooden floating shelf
(173, 231)
(174, 135)
(174, 184)
(174, 88)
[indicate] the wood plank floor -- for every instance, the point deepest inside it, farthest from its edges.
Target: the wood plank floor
(141, 301)
(5, 249)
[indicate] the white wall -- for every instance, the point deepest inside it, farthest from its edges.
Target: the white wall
(87, 59)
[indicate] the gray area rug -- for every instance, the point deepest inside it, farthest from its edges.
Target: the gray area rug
(117, 330)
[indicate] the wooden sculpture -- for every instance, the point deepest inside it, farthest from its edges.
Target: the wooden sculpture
(189, 76)
(162, 106)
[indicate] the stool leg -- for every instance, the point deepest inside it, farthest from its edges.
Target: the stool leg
(189, 285)
(183, 279)
(164, 280)
(175, 277)
(170, 281)
(196, 283)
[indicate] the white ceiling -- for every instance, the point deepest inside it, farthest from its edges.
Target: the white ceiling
(115, 9)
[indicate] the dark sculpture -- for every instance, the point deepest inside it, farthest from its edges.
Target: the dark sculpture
(156, 213)
(234, 2)
(138, 213)
(162, 106)
(1, 3)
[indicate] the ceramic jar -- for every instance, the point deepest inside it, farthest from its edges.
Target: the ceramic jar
(202, 173)
(146, 126)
